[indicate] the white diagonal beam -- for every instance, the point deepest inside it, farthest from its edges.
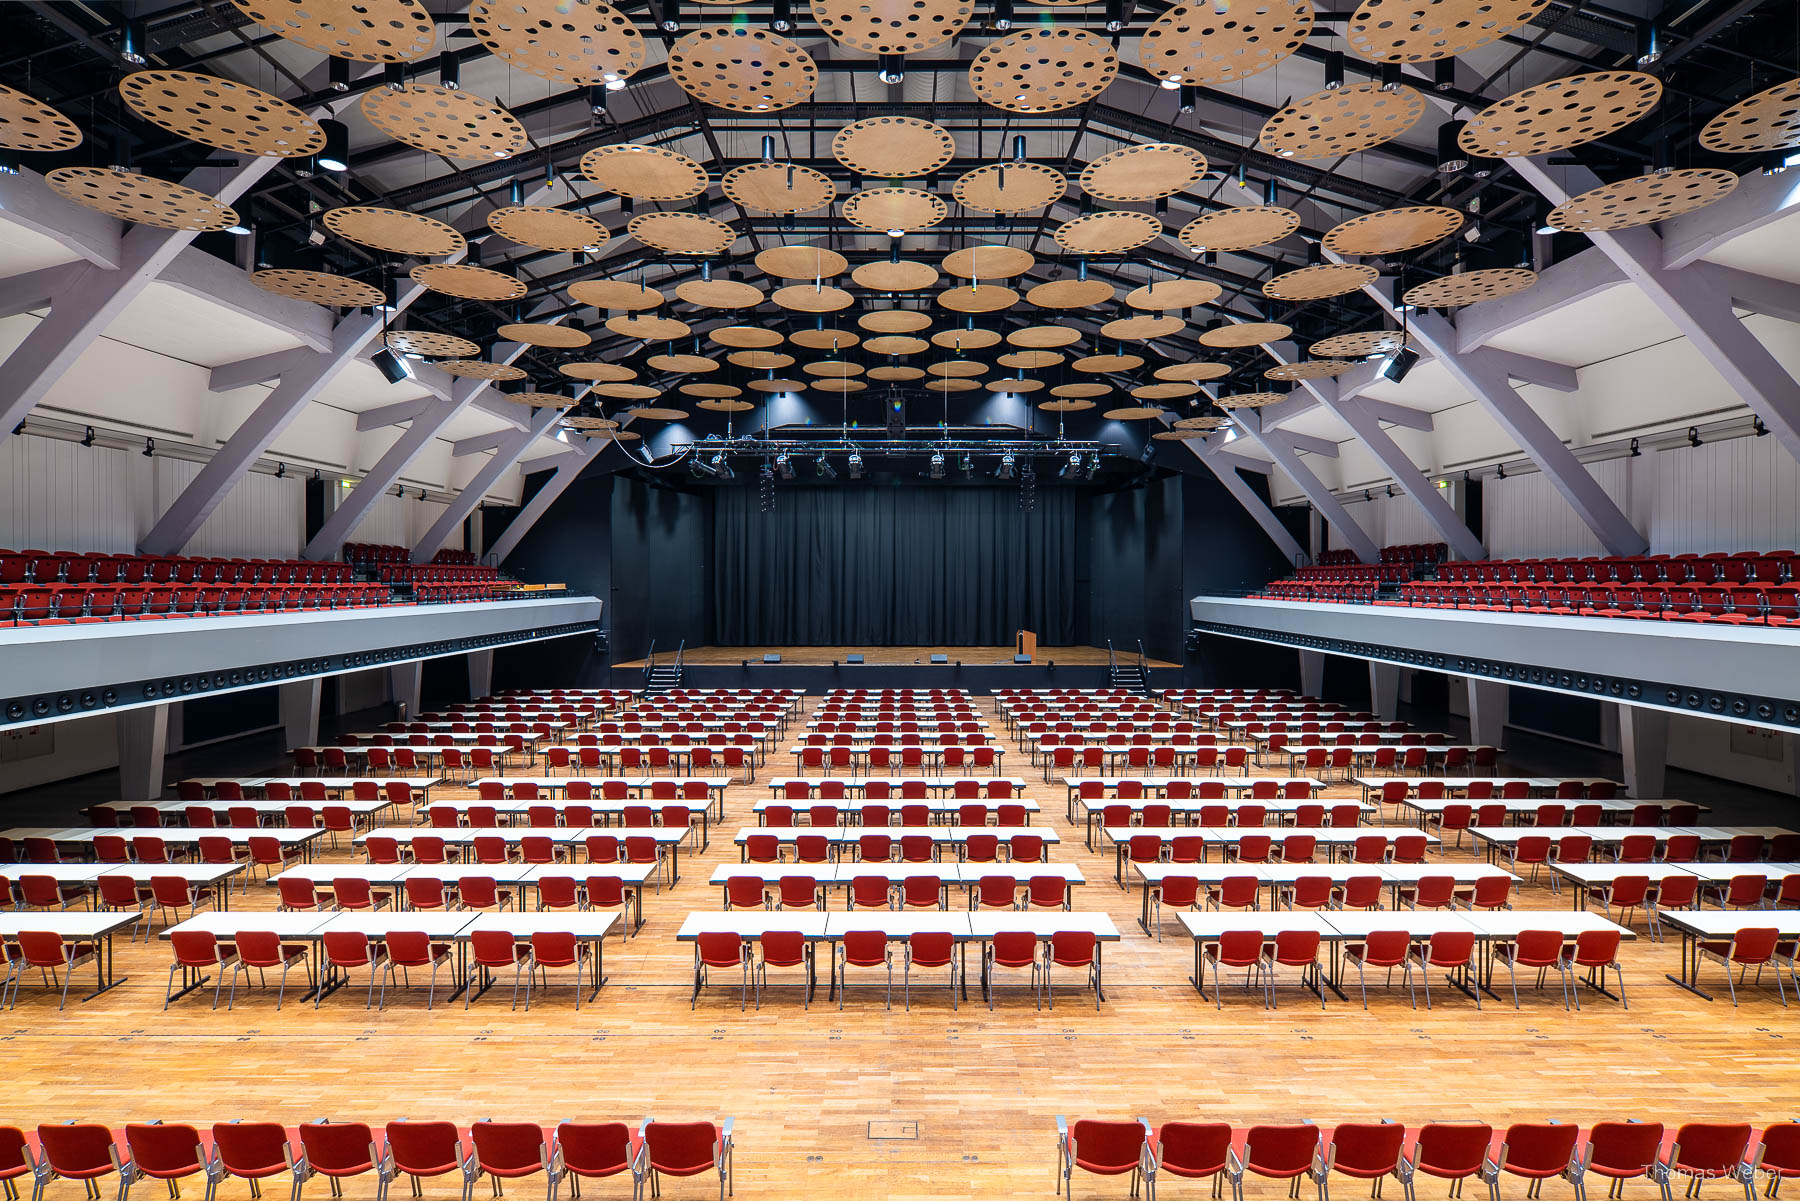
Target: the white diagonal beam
(27, 201)
(1758, 200)
(1225, 466)
(1575, 279)
(474, 445)
(1323, 447)
(502, 462)
(394, 414)
(568, 470)
(1275, 443)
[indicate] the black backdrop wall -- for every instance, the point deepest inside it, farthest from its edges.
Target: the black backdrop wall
(897, 565)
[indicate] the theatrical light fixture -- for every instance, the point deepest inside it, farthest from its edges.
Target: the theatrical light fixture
(1443, 76)
(336, 154)
(1005, 470)
(1115, 15)
(133, 44)
(937, 465)
(393, 76)
(856, 464)
(596, 98)
(891, 68)
(671, 19)
(1186, 97)
(1334, 70)
(825, 469)
(784, 465)
(782, 16)
(87, 439)
(1649, 44)
(1451, 157)
(9, 162)
(1543, 220)
(339, 71)
(1003, 15)
(1072, 466)
(1397, 364)
(392, 367)
(450, 71)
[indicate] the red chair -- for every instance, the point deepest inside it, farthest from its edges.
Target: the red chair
(49, 953)
(784, 949)
(83, 1151)
(864, 948)
(427, 1150)
(596, 1151)
(165, 1151)
(1104, 1149)
(1751, 947)
(1388, 949)
(1594, 951)
(1015, 949)
(1540, 949)
(1453, 1151)
(404, 949)
(1234, 949)
(252, 1151)
(800, 892)
(720, 948)
(1073, 949)
(1191, 1150)
(1360, 1150)
(1535, 1151)
(338, 1151)
(1274, 1153)
(344, 950)
(1620, 1151)
(688, 1149)
(555, 949)
(930, 949)
(259, 951)
(1453, 950)
(510, 1151)
(1777, 1155)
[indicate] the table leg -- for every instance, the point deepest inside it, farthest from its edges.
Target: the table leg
(1198, 979)
(599, 966)
(1690, 965)
(1099, 980)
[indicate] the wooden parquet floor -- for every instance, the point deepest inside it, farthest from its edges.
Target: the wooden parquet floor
(872, 1103)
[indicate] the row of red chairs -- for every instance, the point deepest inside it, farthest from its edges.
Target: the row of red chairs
(1358, 573)
(1534, 1152)
(437, 573)
(1738, 604)
(1334, 592)
(455, 594)
(83, 567)
(880, 848)
(82, 603)
(256, 1152)
(378, 552)
(1719, 567)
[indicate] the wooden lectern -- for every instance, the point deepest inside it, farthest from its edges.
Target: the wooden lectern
(1025, 643)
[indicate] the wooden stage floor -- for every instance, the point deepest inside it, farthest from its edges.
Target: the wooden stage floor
(824, 656)
(866, 1103)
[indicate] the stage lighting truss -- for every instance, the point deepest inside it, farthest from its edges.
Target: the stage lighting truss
(1002, 459)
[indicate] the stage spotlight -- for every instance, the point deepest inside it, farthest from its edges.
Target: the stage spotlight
(336, 154)
(1005, 470)
(1072, 466)
(937, 465)
(393, 368)
(1396, 365)
(784, 465)
(825, 469)
(856, 464)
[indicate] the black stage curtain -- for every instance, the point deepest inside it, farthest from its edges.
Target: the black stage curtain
(893, 566)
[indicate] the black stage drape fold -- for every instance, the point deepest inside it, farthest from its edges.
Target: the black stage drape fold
(893, 566)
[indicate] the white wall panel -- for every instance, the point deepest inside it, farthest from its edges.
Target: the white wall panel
(1742, 494)
(389, 523)
(263, 517)
(65, 496)
(1525, 515)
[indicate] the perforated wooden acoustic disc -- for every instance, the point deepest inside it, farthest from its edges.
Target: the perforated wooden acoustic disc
(1358, 345)
(1133, 413)
(963, 340)
(893, 147)
(1416, 31)
(1193, 372)
(565, 41)
(1471, 287)
(1081, 391)
(455, 124)
(1043, 70)
(681, 233)
(760, 360)
(1769, 120)
(777, 385)
(1562, 113)
(222, 113)
(895, 374)
(988, 262)
(1393, 230)
(1251, 400)
(1173, 390)
(470, 283)
(952, 385)
(1179, 435)
(627, 391)
(894, 321)
(811, 298)
(548, 228)
(1071, 405)
(619, 294)
(978, 298)
(644, 172)
(745, 337)
(656, 413)
(801, 262)
(1165, 294)
(892, 344)
(903, 276)
(742, 68)
(719, 293)
(1341, 121)
(478, 369)
(599, 373)
(892, 26)
(141, 198)
(1107, 233)
(1016, 385)
(371, 31)
(708, 391)
(430, 344)
(682, 364)
(1240, 228)
(1199, 423)
(778, 188)
(395, 231)
(1106, 364)
(1143, 172)
(1195, 43)
(319, 287)
(1309, 369)
(560, 337)
(1009, 188)
(957, 369)
(650, 329)
(1030, 360)
(1071, 294)
(1142, 329)
(27, 123)
(1317, 283)
(1043, 337)
(837, 385)
(590, 423)
(540, 400)
(727, 406)
(1643, 201)
(834, 340)
(904, 209)
(836, 368)
(1248, 333)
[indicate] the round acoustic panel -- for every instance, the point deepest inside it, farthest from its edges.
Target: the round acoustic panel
(1644, 200)
(590, 423)
(395, 231)
(782, 188)
(895, 374)
(1199, 423)
(1010, 188)
(681, 233)
(599, 373)
(455, 124)
(627, 391)
(371, 31)
(1208, 43)
(1251, 400)
(742, 68)
(777, 385)
(893, 147)
(1393, 230)
(1310, 369)
(1562, 113)
(1142, 329)
(27, 123)
(964, 340)
(892, 26)
(903, 276)
(1471, 287)
(978, 298)
(890, 209)
(719, 293)
(1321, 282)
(745, 337)
(952, 385)
(1164, 294)
(1769, 120)
(619, 435)
(1341, 121)
(1016, 385)
(1178, 435)
(655, 413)
(683, 364)
(470, 283)
(1081, 391)
(893, 344)
(478, 369)
(957, 369)
(1043, 70)
(726, 405)
(425, 344)
(1240, 228)
(836, 368)
(1071, 405)
(1358, 345)
(834, 340)
(1143, 172)
(557, 337)
(812, 298)
(222, 113)
(837, 385)
(1107, 233)
(541, 400)
(565, 41)
(760, 360)
(618, 294)
(1133, 413)
(1173, 390)
(141, 198)
(649, 329)
(1031, 360)
(1042, 337)
(319, 287)
(548, 228)
(894, 321)
(1416, 31)
(801, 262)
(1193, 373)
(1107, 364)
(1247, 333)
(1071, 294)
(988, 262)
(644, 172)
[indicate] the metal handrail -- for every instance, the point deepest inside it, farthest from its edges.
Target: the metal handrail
(1143, 665)
(650, 660)
(680, 650)
(1112, 657)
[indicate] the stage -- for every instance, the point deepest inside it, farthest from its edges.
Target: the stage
(885, 656)
(818, 668)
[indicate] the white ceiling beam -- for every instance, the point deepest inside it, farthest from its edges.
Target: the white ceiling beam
(394, 414)
(1558, 377)
(475, 445)
(37, 289)
(28, 202)
(1758, 200)
(1275, 444)
(214, 280)
(263, 369)
(568, 469)
(1225, 467)
(1559, 285)
(1758, 293)
(503, 461)
(1323, 447)
(1392, 414)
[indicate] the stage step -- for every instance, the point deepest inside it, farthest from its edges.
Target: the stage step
(663, 678)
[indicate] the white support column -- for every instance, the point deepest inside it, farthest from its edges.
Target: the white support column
(1644, 745)
(143, 741)
(1312, 673)
(1384, 690)
(299, 707)
(481, 674)
(1282, 451)
(1488, 700)
(403, 686)
(466, 500)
